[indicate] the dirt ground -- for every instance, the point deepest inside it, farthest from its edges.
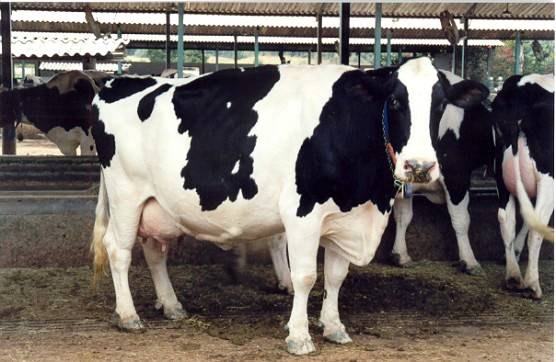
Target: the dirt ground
(429, 312)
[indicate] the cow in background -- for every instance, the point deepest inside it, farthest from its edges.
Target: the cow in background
(523, 113)
(60, 108)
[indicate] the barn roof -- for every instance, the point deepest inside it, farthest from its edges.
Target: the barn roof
(476, 10)
(42, 45)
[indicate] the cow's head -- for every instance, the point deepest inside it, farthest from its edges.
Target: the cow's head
(423, 91)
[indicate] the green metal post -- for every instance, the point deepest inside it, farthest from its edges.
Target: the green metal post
(389, 48)
(257, 47)
(454, 48)
(119, 61)
(517, 53)
(378, 35)
(464, 46)
(180, 40)
(399, 54)
(217, 65)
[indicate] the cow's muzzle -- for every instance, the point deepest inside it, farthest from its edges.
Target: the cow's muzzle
(418, 172)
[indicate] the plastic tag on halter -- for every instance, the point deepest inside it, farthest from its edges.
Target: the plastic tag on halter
(407, 191)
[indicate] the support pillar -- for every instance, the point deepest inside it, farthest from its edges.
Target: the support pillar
(8, 131)
(119, 71)
(517, 53)
(378, 35)
(344, 33)
(464, 46)
(257, 47)
(454, 49)
(389, 48)
(202, 61)
(217, 65)
(167, 45)
(319, 38)
(235, 51)
(180, 41)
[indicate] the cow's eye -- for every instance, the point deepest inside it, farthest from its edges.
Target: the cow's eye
(394, 103)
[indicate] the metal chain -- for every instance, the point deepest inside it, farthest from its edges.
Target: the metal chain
(397, 182)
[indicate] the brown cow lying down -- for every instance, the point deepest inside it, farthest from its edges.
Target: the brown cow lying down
(60, 108)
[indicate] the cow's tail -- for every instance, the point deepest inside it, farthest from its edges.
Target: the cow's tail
(526, 207)
(101, 223)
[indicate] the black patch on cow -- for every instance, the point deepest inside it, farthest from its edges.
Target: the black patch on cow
(124, 87)
(46, 108)
(527, 110)
(104, 142)
(219, 135)
(146, 104)
(345, 158)
(459, 157)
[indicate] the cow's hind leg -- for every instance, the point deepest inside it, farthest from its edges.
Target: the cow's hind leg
(519, 242)
(403, 213)
(119, 239)
(544, 208)
(166, 297)
(278, 253)
(506, 217)
(335, 270)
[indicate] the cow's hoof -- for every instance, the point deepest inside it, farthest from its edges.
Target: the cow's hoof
(474, 270)
(403, 261)
(338, 336)
(175, 314)
(301, 346)
(132, 325)
(469, 269)
(532, 291)
(514, 283)
(286, 289)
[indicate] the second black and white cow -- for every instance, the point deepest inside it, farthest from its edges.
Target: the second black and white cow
(463, 141)
(240, 155)
(523, 112)
(60, 108)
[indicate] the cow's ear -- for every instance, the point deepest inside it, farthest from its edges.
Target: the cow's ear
(467, 93)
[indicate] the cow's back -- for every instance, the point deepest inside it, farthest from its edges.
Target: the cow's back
(218, 152)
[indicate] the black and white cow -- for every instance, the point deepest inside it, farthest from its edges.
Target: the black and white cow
(463, 141)
(240, 155)
(60, 108)
(523, 112)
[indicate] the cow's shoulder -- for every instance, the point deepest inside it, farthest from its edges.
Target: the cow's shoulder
(345, 157)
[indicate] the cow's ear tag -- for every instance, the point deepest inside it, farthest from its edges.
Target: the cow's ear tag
(407, 191)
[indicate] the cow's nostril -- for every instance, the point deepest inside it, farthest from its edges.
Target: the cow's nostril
(410, 165)
(427, 166)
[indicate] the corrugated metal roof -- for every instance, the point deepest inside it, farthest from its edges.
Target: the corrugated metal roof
(65, 66)
(531, 10)
(29, 45)
(398, 30)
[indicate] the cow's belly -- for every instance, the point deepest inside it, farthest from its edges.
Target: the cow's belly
(526, 167)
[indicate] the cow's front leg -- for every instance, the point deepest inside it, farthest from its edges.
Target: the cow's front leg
(335, 270)
(302, 249)
(278, 253)
(156, 257)
(459, 215)
(506, 218)
(543, 208)
(403, 213)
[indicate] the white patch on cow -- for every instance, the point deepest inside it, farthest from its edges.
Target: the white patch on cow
(545, 81)
(451, 120)
(236, 168)
(418, 76)
(228, 105)
(67, 141)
